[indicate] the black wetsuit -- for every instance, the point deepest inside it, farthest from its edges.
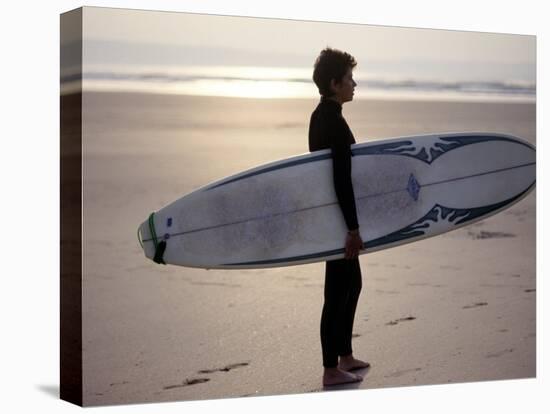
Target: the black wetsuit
(328, 129)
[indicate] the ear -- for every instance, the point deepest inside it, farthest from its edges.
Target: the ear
(333, 85)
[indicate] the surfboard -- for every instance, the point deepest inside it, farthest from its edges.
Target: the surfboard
(286, 212)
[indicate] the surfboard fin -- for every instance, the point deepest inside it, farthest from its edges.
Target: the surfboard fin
(159, 253)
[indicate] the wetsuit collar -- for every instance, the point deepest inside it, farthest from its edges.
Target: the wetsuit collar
(331, 103)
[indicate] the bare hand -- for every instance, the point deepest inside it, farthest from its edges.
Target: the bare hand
(354, 244)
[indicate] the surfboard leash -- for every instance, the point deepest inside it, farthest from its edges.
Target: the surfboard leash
(160, 247)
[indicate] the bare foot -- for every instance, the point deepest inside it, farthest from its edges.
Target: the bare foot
(349, 363)
(335, 376)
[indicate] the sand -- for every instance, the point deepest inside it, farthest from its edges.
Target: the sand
(456, 308)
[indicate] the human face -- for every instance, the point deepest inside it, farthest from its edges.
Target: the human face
(344, 90)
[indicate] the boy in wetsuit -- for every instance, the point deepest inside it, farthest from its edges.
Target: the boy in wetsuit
(328, 129)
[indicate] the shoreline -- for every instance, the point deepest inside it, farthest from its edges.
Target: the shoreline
(378, 98)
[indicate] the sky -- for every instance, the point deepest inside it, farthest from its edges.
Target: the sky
(304, 38)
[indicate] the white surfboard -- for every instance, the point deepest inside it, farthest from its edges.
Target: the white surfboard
(286, 212)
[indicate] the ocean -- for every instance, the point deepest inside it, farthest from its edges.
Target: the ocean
(398, 82)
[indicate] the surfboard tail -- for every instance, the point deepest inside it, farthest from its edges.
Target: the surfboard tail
(153, 246)
(143, 234)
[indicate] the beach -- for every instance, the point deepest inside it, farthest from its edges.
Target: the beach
(459, 307)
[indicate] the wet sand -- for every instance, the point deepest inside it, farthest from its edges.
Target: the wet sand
(456, 308)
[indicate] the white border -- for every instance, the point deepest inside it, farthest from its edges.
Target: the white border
(30, 206)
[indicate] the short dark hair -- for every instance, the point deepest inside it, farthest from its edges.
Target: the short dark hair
(331, 64)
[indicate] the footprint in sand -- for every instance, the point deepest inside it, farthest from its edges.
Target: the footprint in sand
(187, 382)
(215, 284)
(403, 372)
(119, 383)
(380, 279)
(227, 368)
(489, 235)
(136, 268)
(395, 322)
(450, 267)
(388, 292)
(516, 213)
(296, 278)
(475, 305)
(492, 285)
(500, 353)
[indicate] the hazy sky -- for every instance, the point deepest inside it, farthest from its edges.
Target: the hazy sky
(305, 39)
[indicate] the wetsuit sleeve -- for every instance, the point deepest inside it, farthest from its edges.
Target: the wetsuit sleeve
(341, 167)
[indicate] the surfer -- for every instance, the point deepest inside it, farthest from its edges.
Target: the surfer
(328, 129)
